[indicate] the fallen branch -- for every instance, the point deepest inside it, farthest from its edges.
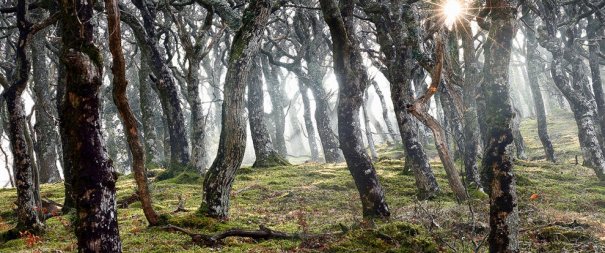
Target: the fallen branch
(263, 233)
(124, 203)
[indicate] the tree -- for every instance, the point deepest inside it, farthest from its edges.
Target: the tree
(27, 215)
(497, 165)
(232, 143)
(398, 49)
(45, 113)
(93, 178)
(576, 90)
(166, 87)
(533, 70)
(129, 121)
(266, 155)
(353, 80)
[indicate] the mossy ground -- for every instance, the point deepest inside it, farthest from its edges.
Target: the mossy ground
(568, 213)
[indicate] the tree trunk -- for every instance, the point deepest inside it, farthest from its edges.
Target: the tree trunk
(309, 121)
(352, 79)
(472, 77)
(276, 94)
(533, 71)
(93, 177)
(518, 138)
(129, 122)
(68, 202)
(368, 127)
(27, 215)
(45, 123)
(497, 165)
(232, 143)
(595, 33)
(266, 156)
(197, 137)
(385, 114)
(166, 87)
(146, 100)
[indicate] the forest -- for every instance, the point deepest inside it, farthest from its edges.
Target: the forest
(302, 126)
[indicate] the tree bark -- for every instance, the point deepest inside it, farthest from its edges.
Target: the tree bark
(472, 78)
(533, 71)
(232, 143)
(497, 165)
(45, 122)
(595, 33)
(352, 79)
(146, 98)
(93, 177)
(266, 155)
(27, 215)
(129, 122)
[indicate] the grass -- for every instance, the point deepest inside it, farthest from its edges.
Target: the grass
(567, 215)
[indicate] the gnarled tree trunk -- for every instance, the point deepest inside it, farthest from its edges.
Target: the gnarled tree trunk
(93, 177)
(266, 156)
(353, 80)
(232, 143)
(27, 210)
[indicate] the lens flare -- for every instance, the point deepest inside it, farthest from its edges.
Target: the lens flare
(452, 10)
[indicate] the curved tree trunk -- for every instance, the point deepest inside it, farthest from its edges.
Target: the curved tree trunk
(27, 215)
(497, 166)
(266, 156)
(533, 71)
(352, 79)
(93, 177)
(232, 143)
(128, 119)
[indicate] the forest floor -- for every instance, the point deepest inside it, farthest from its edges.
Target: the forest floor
(561, 207)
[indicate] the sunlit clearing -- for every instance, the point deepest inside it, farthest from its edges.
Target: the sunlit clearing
(452, 9)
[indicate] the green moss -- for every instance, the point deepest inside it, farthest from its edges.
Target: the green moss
(391, 237)
(272, 160)
(174, 170)
(562, 234)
